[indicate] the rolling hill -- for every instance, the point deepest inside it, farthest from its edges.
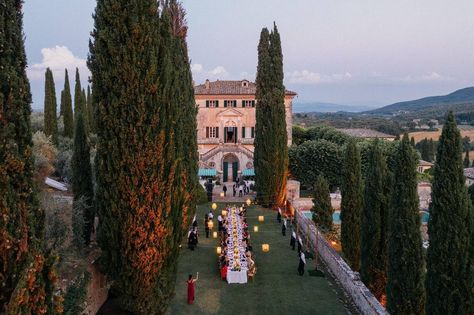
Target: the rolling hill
(462, 99)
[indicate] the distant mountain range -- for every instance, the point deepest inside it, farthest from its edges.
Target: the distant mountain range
(320, 107)
(462, 99)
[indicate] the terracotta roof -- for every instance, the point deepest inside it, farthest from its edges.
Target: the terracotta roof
(425, 163)
(469, 172)
(242, 87)
(365, 133)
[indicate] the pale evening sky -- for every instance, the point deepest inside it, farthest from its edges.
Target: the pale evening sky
(364, 52)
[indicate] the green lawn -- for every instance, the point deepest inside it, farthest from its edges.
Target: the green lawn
(276, 289)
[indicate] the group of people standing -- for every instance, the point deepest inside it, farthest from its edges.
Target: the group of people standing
(240, 188)
(294, 240)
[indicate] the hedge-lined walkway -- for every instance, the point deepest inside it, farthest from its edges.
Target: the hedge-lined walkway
(276, 289)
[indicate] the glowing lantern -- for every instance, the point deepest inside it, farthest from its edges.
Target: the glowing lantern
(261, 218)
(214, 206)
(255, 228)
(249, 202)
(265, 248)
(210, 224)
(219, 250)
(224, 213)
(222, 194)
(214, 234)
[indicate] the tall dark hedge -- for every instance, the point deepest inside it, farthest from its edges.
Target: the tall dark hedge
(406, 268)
(314, 158)
(322, 208)
(50, 107)
(27, 277)
(373, 268)
(66, 108)
(271, 138)
(449, 279)
(82, 176)
(351, 205)
(143, 91)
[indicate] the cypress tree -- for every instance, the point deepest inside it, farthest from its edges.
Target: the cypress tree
(187, 131)
(373, 269)
(66, 108)
(144, 166)
(431, 150)
(90, 110)
(466, 161)
(351, 205)
(322, 208)
(405, 285)
(50, 107)
(27, 274)
(449, 277)
(425, 150)
(413, 143)
(82, 176)
(271, 138)
(80, 101)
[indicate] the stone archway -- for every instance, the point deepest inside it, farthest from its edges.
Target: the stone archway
(230, 167)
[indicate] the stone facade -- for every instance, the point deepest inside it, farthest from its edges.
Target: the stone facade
(226, 126)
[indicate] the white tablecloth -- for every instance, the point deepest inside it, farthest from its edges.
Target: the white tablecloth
(237, 276)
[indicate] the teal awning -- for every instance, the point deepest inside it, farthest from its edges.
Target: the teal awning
(207, 172)
(248, 172)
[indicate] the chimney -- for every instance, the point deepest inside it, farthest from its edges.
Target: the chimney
(207, 84)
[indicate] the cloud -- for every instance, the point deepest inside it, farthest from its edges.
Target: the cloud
(200, 73)
(314, 78)
(196, 68)
(428, 77)
(57, 59)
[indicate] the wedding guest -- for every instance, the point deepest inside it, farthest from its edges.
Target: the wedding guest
(191, 283)
(301, 264)
(224, 272)
(293, 240)
(300, 244)
(283, 228)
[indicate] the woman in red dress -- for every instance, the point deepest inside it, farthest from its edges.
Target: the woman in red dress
(190, 283)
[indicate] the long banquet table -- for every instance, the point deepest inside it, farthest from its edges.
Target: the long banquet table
(237, 270)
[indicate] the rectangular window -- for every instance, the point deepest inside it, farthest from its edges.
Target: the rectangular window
(212, 132)
(243, 132)
(252, 132)
(212, 103)
(230, 103)
(248, 103)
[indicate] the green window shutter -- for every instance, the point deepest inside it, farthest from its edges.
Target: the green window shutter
(235, 103)
(217, 132)
(243, 103)
(252, 132)
(217, 103)
(243, 132)
(207, 132)
(253, 103)
(225, 103)
(207, 103)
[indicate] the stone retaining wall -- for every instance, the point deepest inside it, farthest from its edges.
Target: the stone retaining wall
(349, 280)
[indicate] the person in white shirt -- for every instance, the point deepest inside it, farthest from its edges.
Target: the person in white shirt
(301, 264)
(210, 215)
(293, 240)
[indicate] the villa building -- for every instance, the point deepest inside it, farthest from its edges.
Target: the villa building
(226, 127)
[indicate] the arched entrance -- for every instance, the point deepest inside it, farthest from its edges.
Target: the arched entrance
(230, 167)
